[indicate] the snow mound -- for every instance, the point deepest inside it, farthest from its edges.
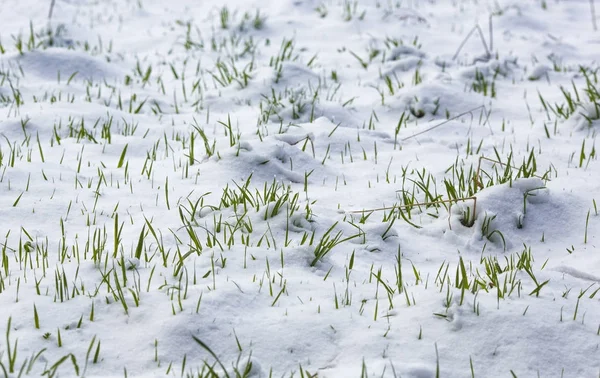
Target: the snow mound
(47, 64)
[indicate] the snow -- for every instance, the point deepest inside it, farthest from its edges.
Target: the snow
(277, 188)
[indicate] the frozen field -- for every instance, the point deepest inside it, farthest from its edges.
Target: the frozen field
(278, 188)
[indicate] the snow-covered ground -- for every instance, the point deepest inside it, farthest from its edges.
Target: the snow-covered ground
(270, 188)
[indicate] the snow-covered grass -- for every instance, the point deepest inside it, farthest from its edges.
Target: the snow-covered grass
(337, 188)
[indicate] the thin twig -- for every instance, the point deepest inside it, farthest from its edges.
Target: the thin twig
(487, 51)
(593, 11)
(445, 122)
(491, 27)
(7, 247)
(478, 28)
(450, 201)
(51, 9)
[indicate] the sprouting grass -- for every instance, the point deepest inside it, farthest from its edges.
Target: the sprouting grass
(226, 73)
(582, 101)
(329, 241)
(482, 85)
(224, 17)
(11, 349)
(238, 151)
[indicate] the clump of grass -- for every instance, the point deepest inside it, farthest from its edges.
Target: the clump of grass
(586, 103)
(329, 241)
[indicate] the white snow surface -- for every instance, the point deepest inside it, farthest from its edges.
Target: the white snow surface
(171, 171)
